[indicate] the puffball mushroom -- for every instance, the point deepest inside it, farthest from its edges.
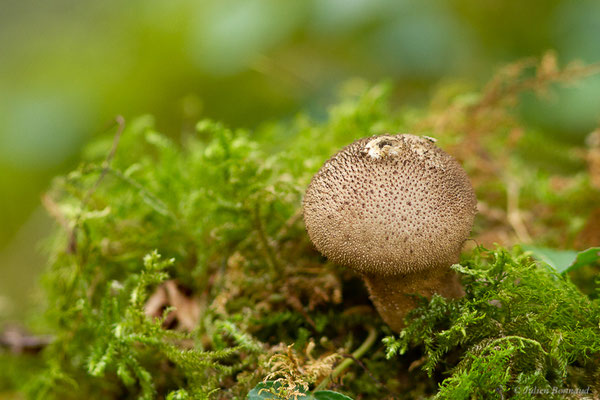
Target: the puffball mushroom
(397, 210)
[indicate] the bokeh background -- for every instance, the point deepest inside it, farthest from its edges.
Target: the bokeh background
(67, 68)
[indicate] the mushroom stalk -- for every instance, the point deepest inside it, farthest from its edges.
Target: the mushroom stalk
(394, 296)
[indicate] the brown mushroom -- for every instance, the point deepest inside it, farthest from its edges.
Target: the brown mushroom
(397, 210)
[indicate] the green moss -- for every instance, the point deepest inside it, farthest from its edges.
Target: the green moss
(218, 215)
(520, 326)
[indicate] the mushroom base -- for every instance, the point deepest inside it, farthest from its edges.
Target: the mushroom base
(391, 294)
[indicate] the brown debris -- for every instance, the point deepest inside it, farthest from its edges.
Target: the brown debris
(19, 341)
(295, 372)
(590, 234)
(317, 290)
(232, 286)
(307, 292)
(186, 312)
(593, 157)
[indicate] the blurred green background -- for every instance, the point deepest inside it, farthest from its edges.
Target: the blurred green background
(68, 67)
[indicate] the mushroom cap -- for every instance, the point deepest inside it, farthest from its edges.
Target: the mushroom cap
(390, 205)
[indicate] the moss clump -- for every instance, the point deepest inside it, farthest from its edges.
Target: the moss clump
(520, 328)
(178, 270)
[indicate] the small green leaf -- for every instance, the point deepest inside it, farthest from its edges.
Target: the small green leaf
(560, 260)
(262, 391)
(329, 395)
(586, 257)
(258, 394)
(564, 260)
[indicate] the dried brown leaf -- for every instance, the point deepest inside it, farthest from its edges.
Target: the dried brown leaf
(186, 309)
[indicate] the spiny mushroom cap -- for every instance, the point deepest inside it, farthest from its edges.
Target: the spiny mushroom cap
(390, 204)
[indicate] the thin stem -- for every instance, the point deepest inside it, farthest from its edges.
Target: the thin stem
(515, 218)
(358, 353)
(518, 338)
(290, 223)
(392, 296)
(264, 240)
(149, 198)
(120, 123)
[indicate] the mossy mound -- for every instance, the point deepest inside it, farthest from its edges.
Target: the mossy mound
(182, 269)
